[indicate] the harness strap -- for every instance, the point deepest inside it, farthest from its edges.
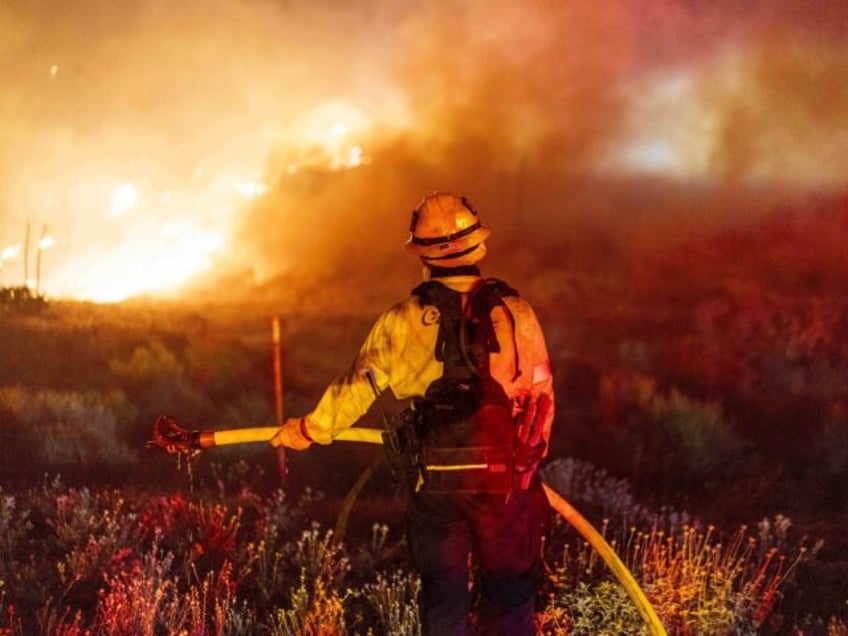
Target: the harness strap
(486, 295)
(484, 303)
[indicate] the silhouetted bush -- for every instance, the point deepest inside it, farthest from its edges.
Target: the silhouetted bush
(76, 433)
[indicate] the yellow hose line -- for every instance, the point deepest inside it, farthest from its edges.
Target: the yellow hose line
(265, 433)
(560, 505)
(605, 551)
(243, 435)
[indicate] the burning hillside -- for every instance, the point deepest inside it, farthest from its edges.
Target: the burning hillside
(163, 145)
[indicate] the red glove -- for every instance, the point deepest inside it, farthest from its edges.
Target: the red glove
(293, 434)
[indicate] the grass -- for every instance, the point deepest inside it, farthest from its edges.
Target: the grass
(75, 561)
(698, 584)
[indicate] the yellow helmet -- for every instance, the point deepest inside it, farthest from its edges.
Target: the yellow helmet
(446, 231)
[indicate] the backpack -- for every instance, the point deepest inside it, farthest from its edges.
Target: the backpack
(464, 421)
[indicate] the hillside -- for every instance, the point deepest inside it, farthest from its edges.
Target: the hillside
(708, 375)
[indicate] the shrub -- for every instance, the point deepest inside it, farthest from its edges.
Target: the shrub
(697, 582)
(15, 527)
(100, 561)
(155, 378)
(665, 441)
(696, 441)
(317, 603)
(395, 599)
(594, 489)
(74, 433)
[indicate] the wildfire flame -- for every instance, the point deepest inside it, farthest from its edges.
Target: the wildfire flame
(149, 266)
(146, 167)
(124, 199)
(9, 252)
(157, 242)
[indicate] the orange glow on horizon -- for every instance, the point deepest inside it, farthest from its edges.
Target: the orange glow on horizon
(147, 242)
(149, 168)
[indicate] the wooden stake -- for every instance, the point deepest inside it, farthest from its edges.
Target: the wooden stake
(278, 388)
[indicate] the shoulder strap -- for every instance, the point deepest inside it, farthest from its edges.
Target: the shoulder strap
(451, 346)
(449, 304)
(490, 293)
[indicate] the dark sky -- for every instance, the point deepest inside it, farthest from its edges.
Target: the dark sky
(160, 141)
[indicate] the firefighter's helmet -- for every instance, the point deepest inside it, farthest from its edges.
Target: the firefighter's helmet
(445, 231)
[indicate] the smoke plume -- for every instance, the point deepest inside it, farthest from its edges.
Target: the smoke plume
(279, 146)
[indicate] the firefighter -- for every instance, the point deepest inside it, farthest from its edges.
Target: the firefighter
(470, 354)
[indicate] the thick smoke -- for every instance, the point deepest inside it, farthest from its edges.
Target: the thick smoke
(521, 107)
(578, 128)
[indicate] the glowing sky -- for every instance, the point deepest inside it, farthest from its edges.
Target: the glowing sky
(155, 140)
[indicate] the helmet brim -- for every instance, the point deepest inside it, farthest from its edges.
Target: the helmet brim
(448, 249)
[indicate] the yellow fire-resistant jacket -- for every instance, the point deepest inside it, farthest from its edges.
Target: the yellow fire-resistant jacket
(400, 353)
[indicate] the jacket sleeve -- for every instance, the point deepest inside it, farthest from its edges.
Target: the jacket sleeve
(350, 395)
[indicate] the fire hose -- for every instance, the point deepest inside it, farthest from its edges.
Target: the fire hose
(170, 436)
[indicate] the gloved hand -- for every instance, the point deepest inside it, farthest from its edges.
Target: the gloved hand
(527, 457)
(292, 434)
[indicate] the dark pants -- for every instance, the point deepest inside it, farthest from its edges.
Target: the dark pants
(504, 538)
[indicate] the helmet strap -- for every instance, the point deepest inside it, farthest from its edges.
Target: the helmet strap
(461, 270)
